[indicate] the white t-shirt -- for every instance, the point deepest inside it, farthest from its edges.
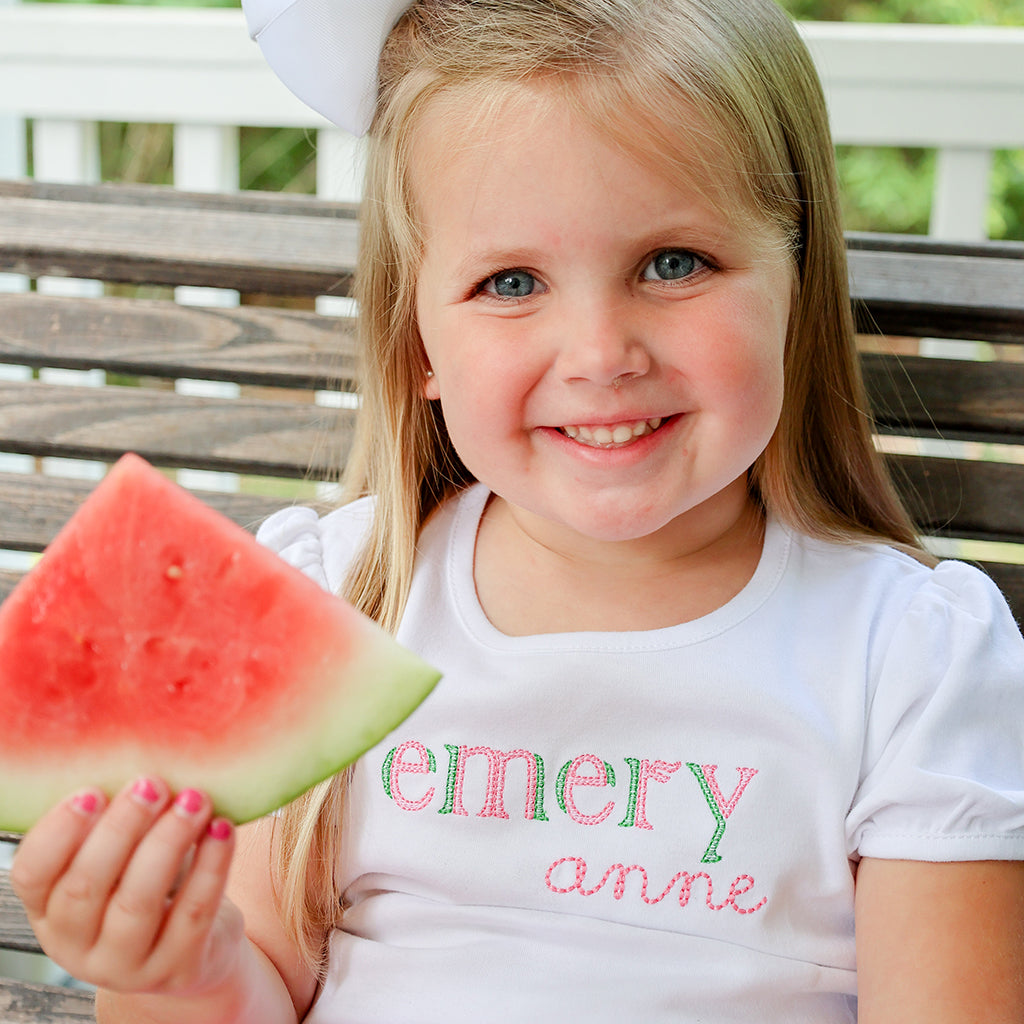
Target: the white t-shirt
(659, 826)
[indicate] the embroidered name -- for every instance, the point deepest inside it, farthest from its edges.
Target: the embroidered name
(577, 879)
(581, 786)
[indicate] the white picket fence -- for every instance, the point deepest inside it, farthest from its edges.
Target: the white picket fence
(65, 67)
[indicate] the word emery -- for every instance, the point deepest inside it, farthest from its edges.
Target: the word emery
(589, 771)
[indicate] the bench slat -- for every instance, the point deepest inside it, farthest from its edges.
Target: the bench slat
(247, 345)
(952, 497)
(234, 435)
(8, 581)
(150, 196)
(878, 241)
(1010, 580)
(25, 1003)
(952, 398)
(1009, 577)
(254, 345)
(948, 296)
(284, 255)
(34, 507)
(15, 931)
(154, 236)
(962, 498)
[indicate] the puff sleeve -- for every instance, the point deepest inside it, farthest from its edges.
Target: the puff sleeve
(942, 775)
(321, 547)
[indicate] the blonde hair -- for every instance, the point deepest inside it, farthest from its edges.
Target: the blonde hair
(729, 80)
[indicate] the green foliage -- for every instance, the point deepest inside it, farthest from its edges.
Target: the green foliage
(1006, 214)
(925, 12)
(153, 3)
(890, 189)
(277, 159)
(886, 189)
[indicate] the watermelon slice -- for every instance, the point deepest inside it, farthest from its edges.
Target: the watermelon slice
(157, 637)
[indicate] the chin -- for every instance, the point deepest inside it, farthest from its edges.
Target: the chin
(617, 528)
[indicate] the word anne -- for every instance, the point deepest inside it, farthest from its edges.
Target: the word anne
(739, 887)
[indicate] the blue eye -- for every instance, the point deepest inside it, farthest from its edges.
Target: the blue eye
(511, 284)
(671, 265)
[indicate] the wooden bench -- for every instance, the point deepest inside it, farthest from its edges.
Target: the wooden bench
(293, 369)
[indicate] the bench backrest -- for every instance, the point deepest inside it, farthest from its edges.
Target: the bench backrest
(291, 371)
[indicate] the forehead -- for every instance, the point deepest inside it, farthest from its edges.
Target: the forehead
(490, 129)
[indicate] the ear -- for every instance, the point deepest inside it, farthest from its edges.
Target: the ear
(431, 390)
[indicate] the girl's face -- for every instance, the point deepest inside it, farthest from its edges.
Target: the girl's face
(607, 347)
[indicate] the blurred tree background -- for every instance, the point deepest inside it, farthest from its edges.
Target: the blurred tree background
(884, 189)
(890, 189)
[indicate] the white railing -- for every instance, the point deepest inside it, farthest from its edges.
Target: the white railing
(957, 89)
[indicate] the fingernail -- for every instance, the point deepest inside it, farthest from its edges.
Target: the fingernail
(219, 829)
(145, 792)
(85, 803)
(188, 801)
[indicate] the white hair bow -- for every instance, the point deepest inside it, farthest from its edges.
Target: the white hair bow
(326, 51)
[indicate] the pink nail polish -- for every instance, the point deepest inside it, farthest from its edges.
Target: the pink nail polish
(219, 829)
(145, 792)
(188, 801)
(85, 803)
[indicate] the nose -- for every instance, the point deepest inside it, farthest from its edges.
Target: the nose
(602, 344)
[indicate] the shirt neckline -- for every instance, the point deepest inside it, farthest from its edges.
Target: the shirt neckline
(469, 508)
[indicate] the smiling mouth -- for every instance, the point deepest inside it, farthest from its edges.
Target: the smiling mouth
(612, 435)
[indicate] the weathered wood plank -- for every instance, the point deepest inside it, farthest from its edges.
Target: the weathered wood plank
(950, 398)
(150, 196)
(15, 931)
(264, 346)
(1010, 580)
(876, 241)
(236, 435)
(284, 255)
(947, 296)
(247, 345)
(950, 497)
(33, 508)
(962, 498)
(152, 235)
(24, 1003)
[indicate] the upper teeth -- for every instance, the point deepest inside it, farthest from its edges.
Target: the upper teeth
(617, 433)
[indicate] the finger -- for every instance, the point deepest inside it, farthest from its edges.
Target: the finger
(200, 896)
(78, 901)
(139, 904)
(49, 847)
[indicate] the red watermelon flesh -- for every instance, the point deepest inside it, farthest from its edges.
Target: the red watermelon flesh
(157, 637)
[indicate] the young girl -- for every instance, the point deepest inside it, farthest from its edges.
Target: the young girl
(716, 741)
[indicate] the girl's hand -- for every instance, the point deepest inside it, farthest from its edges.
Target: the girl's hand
(130, 896)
